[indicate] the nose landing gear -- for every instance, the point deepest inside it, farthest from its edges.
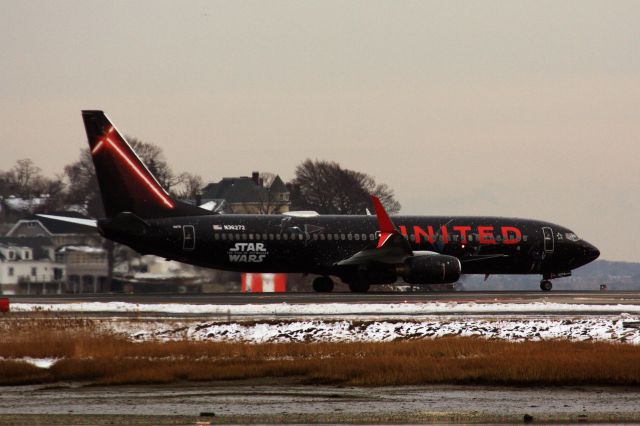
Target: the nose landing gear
(323, 285)
(545, 285)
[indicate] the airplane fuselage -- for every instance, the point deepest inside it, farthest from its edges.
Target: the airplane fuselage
(282, 243)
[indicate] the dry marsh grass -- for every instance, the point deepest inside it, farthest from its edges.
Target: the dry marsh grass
(90, 356)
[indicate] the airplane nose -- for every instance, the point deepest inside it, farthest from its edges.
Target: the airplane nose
(591, 252)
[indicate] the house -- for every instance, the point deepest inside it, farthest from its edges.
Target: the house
(28, 266)
(250, 195)
(87, 268)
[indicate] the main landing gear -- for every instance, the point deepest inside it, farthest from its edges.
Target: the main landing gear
(545, 285)
(323, 285)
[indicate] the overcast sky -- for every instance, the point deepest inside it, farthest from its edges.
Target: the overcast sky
(507, 108)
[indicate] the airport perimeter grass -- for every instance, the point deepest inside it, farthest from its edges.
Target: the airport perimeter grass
(87, 355)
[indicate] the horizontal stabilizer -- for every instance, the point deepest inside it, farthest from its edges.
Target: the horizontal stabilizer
(92, 223)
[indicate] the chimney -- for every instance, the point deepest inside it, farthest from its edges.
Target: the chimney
(255, 177)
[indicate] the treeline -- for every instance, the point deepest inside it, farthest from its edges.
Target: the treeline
(323, 186)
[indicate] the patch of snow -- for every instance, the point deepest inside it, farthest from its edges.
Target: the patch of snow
(581, 329)
(83, 249)
(39, 362)
(397, 310)
(375, 322)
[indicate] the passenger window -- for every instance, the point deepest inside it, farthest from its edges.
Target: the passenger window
(285, 236)
(372, 237)
(315, 237)
(335, 237)
(278, 236)
(321, 237)
(223, 236)
(216, 236)
(357, 237)
(329, 237)
(270, 236)
(237, 237)
(251, 236)
(244, 236)
(349, 237)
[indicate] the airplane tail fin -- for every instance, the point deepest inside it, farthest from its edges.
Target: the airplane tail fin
(126, 185)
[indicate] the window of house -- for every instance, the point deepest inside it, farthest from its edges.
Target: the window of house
(26, 255)
(12, 255)
(11, 271)
(33, 271)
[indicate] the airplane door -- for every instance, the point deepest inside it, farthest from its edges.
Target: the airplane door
(547, 235)
(188, 237)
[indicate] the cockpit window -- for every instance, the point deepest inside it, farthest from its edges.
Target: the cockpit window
(572, 237)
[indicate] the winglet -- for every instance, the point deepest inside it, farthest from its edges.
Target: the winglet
(387, 229)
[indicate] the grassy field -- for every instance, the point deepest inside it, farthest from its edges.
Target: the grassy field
(87, 355)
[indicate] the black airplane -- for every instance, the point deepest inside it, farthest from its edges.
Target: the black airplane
(360, 250)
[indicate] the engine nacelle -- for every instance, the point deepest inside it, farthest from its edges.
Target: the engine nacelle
(430, 269)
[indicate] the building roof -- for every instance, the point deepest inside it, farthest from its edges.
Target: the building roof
(278, 186)
(235, 190)
(242, 189)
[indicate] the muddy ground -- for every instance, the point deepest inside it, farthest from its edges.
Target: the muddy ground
(267, 401)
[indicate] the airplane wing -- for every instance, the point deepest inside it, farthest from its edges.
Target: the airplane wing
(392, 247)
(78, 221)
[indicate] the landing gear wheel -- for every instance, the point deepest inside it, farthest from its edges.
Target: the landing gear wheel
(545, 285)
(323, 285)
(361, 287)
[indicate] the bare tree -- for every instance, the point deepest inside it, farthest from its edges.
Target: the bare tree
(83, 185)
(326, 187)
(153, 157)
(189, 187)
(268, 199)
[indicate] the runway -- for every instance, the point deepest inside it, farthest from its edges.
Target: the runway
(488, 297)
